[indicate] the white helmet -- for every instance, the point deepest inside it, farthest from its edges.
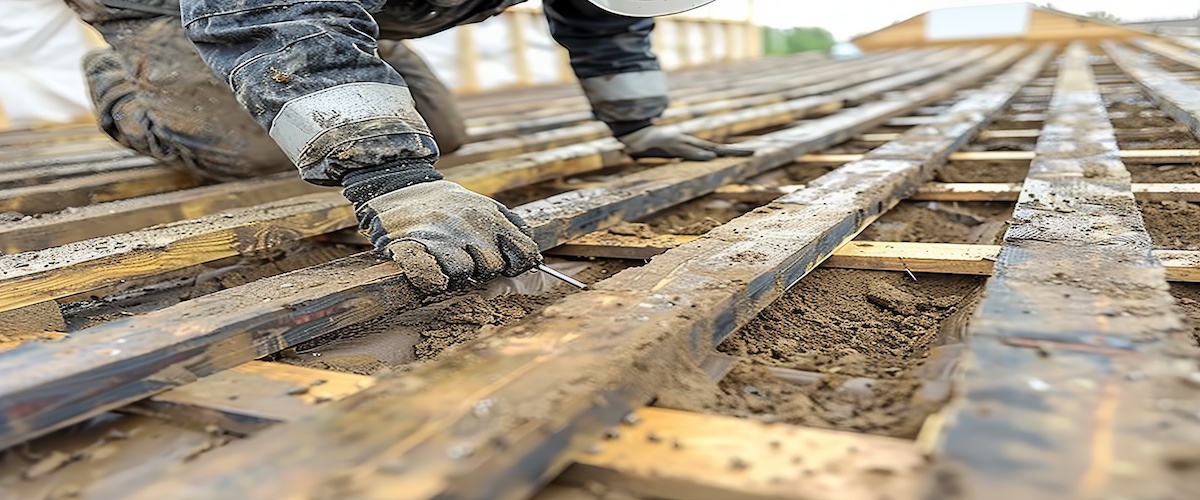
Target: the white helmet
(648, 8)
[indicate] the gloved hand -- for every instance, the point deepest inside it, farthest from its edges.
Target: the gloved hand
(443, 235)
(667, 142)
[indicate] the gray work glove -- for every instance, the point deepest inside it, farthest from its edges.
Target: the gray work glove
(445, 236)
(667, 142)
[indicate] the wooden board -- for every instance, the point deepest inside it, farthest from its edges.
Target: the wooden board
(77, 192)
(510, 410)
(1049, 406)
(687, 456)
(252, 396)
(999, 191)
(1132, 156)
(1180, 99)
(240, 330)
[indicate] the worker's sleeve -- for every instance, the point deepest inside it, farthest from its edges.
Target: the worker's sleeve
(309, 73)
(612, 58)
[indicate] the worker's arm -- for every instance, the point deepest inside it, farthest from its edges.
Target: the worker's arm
(619, 73)
(307, 71)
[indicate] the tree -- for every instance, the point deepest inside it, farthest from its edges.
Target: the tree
(778, 41)
(1104, 16)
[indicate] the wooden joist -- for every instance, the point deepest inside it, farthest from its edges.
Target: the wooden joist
(1180, 99)
(1167, 50)
(510, 410)
(1129, 156)
(312, 304)
(50, 173)
(686, 456)
(655, 452)
(1076, 341)
(80, 271)
(1002, 191)
(81, 191)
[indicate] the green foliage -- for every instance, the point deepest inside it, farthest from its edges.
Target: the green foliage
(1103, 16)
(790, 41)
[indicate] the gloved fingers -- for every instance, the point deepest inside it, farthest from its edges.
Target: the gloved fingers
(420, 266)
(515, 219)
(489, 262)
(718, 149)
(521, 254)
(677, 150)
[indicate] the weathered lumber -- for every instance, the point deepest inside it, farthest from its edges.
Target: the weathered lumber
(943, 258)
(50, 173)
(115, 217)
(853, 87)
(1000, 191)
(1128, 134)
(58, 195)
(241, 330)
(1130, 156)
(791, 80)
(64, 159)
(1180, 99)
(252, 396)
(687, 456)
(487, 177)
(511, 409)
(1050, 406)
(32, 277)
(1167, 50)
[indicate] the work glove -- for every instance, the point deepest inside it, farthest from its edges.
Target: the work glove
(667, 142)
(445, 236)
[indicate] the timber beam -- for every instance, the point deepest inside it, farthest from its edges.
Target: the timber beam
(314, 305)
(511, 410)
(1180, 99)
(1077, 340)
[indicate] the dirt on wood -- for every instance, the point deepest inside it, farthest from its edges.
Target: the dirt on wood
(1167, 174)
(404, 341)
(941, 222)
(1173, 225)
(983, 171)
(1187, 295)
(846, 325)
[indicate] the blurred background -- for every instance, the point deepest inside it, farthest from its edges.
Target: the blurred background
(42, 41)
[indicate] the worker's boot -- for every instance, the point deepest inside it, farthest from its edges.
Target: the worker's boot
(434, 101)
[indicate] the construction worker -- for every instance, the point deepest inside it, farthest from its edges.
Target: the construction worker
(318, 85)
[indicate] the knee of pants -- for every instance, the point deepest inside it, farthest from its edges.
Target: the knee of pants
(155, 95)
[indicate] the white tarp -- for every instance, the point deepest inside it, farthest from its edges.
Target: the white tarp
(41, 46)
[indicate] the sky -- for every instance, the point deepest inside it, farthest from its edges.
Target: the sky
(848, 18)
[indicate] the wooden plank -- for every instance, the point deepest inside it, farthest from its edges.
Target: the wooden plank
(822, 77)
(49, 173)
(1075, 279)
(33, 277)
(511, 409)
(687, 456)
(1131, 156)
(1180, 99)
(252, 396)
(1128, 134)
(1165, 49)
(64, 159)
(58, 195)
(854, 85)
(1000, 191)
(943, 258)
(312, 304)
(115, 217)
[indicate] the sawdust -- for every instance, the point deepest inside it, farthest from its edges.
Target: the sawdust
(842, 324)
(1173, 225)
(941, 222)
(983, 171)
(696, 217)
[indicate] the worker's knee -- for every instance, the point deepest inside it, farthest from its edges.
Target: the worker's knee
(434, 100)
(155, 95)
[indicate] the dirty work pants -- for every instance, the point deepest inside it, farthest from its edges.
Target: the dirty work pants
(155, 95)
